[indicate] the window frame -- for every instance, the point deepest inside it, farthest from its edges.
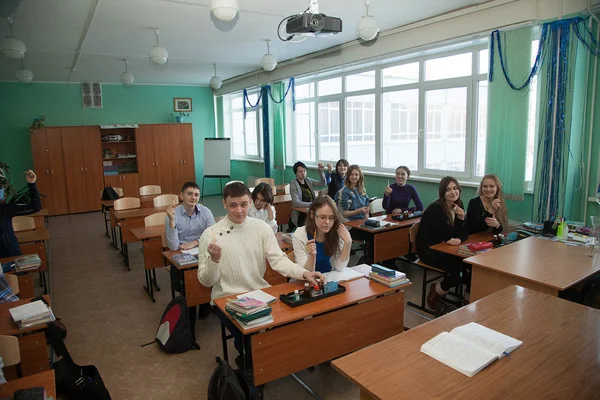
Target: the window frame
(228, 112)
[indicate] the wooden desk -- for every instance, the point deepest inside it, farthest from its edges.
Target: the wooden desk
(366, 313)
(283, 208)
(145, 201)
(538, 264)
(35, 242)
(154, 243)
(390, 242)
(32, 341)
(558, 358)
(25, 278)
(43, 379)
(40, 218)
(453, 250)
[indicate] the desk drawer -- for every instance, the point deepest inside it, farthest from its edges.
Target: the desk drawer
(195, 293)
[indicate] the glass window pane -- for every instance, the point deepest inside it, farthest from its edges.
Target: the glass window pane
(481, 128)
(329, 86)
(532, 120)
(360, 130)
(448, 67)
(236, 102)
(362, 81)
(237, 133)
(400, 129)
(445, 129)
(289, 130)
(250, 133)
(329, 131)
(304, 130)
(400, 75)
(484, 61)
(305, 91)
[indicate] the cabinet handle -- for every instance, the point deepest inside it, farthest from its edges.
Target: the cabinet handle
(157, 163)
(81, 169)
(181, 162)
(184, 162)
(85, 169)
(47, 171)
(153, 163)
(51, 171)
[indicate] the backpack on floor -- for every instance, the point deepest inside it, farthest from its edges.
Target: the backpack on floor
(226, 384)
(109, 193)
(174, 334)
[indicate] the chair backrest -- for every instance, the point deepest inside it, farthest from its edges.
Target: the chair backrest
(149, 189)
(376, 207)
(9, 350)
(22, 223)
(292, 256)
(269, 181)
(155, 219)
(166, 200)
(286, 189)
(13, 282)
(412, 233)
(126, 203)
(232, 182)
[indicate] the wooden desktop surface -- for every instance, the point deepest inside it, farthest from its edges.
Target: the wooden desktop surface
(552, 264)
(143, 199)
(44, 379)
(282, 198)
(38, 235)
(42, 213)
(453, 250)
(149, 232)
(356, 290)
(558, 358)
(383, 219)
(137, 212)
(8, 326)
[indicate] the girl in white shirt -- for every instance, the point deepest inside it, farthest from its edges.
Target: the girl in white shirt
(262, 205)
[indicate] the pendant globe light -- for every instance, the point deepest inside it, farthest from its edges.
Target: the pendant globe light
(23, 74)
(215, 81)
(127, 77)
(367, 28)
(268, 62)
(11, 46)
(224, 10)
(158, 54)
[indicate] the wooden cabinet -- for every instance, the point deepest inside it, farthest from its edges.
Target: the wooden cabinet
(162, 157)
(82, 162)
(145, 151)
(47, 152)
(182, 154)
(130, 184)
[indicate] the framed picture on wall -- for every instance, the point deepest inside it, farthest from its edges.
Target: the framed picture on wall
(183, 104)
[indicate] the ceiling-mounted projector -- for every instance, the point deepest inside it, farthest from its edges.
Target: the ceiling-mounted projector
(309, 23)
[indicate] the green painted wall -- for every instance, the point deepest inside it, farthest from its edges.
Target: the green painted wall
(61, 104)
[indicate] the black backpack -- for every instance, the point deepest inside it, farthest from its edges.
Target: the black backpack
(226, 384)
(174, 333)
(74, 382)
(109, 193)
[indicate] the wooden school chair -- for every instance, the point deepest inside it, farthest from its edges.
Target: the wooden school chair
(166, 200)
(125, 203)
(268, 181)
(10, 352)
(153, 250)
(149, 189)
(23, 223)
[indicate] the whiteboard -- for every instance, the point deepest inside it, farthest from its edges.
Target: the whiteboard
(217, 157)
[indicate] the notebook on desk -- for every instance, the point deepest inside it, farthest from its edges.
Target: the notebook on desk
(346, 274)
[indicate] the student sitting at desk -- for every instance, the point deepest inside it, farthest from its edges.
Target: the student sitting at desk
(335, 180)
(352, 199)
(302, 190)
(330, 249)
(185, 223)
(443, 221)
(487, 211)
(9, 245)
(261, 206)
(397, 196)
(6, 293)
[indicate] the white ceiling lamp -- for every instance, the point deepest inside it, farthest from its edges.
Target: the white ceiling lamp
(215, 81)
(268, 62)
(127, 77)
(367, 28)
(158, 54)
(12, 47)
(224, 10)
(23, 74)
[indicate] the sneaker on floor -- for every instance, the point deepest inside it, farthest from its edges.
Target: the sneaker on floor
(433, 297)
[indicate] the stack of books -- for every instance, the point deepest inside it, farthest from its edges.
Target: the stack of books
(28, 262)
(387, 277)
(185, 259)
(464, 250)
(249, 312)
(32, 314)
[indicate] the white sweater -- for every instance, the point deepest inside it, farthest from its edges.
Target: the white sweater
(245, 250)
(263, 215)
(299, 241)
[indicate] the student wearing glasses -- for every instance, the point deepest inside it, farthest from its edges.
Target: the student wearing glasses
(323, 244)
(262, 205)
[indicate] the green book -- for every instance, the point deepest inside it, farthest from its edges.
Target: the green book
(251, 317)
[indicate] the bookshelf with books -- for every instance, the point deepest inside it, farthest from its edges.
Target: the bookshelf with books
(119, 157)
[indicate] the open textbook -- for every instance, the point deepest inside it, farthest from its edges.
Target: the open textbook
(470, 348)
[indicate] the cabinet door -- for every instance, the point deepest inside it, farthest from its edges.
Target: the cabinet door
(131, 185)
(56, 162)
(39, 152)
(114, 181)
(187, 146)
(162, 156)
(74, 170)
(176, 157)
(91, 149)
(145, 155)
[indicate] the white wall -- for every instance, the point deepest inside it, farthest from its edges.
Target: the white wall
(469, 21)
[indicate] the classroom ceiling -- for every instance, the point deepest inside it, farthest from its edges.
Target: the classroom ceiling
(109, 30)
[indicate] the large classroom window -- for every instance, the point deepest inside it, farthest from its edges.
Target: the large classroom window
(427, 111)
(245, 134)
